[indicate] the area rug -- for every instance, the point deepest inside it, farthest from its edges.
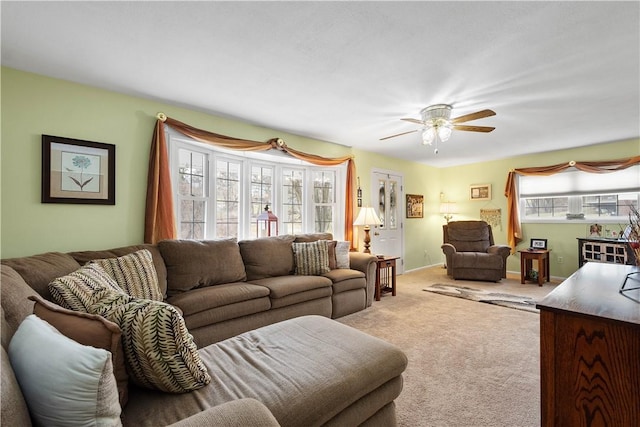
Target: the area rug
(488, 297)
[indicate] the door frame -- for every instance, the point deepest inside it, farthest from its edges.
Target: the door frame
(373, 182)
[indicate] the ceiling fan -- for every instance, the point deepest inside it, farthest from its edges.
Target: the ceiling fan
(437, 124)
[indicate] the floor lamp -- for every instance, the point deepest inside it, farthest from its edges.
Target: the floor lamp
(367, 217)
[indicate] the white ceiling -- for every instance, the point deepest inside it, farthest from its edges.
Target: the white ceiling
(558, 74)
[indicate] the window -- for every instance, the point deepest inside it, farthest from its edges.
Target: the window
(192, 201)
(227, 198)
(324, 184)
(219, 193)
(261, 192)
(577, 195)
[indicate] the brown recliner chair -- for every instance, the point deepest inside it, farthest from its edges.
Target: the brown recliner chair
(471, 253)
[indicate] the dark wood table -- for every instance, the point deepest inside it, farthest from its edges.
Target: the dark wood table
(590, 349)
(386, 276)
(527, 257)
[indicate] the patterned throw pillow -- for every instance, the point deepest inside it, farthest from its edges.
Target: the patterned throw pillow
(75, 290)
(312, 258)
(135, 273)
(158, 348)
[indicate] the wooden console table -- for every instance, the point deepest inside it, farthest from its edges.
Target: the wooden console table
(590, 350)
(386, 276)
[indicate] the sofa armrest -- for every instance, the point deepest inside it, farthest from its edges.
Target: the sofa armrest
(449, 250)
(502, 250)
(365, 263)
(237, 413)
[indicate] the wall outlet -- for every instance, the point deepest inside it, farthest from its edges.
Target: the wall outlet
(560, 260)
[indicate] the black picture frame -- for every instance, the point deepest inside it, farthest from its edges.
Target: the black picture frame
(539, 244)
(77, 171)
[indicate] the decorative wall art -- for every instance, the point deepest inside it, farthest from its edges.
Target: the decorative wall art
(480, 192)
(415, 205)
(493, 217)
(594, 230)
(77, 171)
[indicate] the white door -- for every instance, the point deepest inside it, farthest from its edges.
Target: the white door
(387, 197)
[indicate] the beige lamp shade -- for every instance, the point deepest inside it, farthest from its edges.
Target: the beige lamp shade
(367, 216)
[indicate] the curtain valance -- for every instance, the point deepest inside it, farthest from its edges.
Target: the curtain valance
(160, 222)
(514, 228)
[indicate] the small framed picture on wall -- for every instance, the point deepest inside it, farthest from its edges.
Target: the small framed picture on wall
(480, 192)
(414, 205)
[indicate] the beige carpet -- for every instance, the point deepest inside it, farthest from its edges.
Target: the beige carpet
(470, 364)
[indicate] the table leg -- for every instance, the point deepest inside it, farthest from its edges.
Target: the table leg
(377, 290)
(522, 269)
(393, 279)
(542, 267)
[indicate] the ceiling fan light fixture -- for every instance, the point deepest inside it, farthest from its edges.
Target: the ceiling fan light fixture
(444, 131)
(428, 135)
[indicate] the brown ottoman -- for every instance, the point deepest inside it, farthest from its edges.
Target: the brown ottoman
(307, 371)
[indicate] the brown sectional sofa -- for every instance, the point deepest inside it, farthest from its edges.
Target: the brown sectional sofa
(263, 333)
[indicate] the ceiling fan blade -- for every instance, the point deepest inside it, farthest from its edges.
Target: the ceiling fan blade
(474, 128)
(398, 134)
(473, 116)
(416, 121)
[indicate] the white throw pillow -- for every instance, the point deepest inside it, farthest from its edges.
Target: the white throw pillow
(64, 383)
(342, 254)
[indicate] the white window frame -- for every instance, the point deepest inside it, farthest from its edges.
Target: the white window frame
(272, 158)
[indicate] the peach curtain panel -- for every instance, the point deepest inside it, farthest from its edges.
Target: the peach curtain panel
(514, 229)
(160, 222)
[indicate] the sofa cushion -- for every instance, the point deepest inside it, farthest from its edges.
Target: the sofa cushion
(84, 257)
(135, 273)
(158, 348)
(332, 363)
(214, 304)
(39, 270)
(267, 256)
(311, 258)
(198, 263)
(283, 286)
(217, 296)
(469, 236)
(477, 260)
(87, 329)
(63, 382)
(14, 409)
(75, 291)
(312, 237)
(345, 279)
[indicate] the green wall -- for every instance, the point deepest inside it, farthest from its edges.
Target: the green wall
(561, 237)
(33, 105)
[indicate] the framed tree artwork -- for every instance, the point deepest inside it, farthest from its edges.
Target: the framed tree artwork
(77, 171)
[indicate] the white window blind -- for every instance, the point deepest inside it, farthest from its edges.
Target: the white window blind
(575, 182)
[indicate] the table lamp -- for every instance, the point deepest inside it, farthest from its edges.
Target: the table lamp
(367, 217)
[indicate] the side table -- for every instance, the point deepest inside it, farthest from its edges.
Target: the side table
(526, 262)
(386, 276)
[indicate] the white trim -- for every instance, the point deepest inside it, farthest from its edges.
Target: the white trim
(278, 163)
